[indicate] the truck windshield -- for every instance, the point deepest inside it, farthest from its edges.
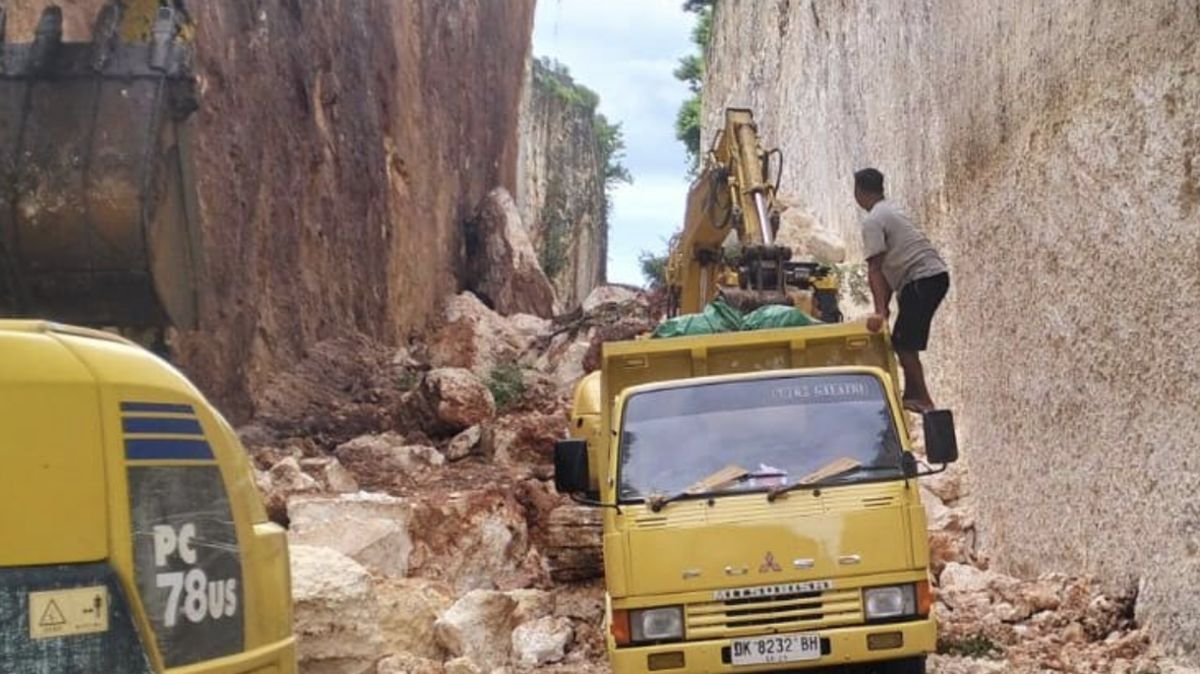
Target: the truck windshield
(755, 434)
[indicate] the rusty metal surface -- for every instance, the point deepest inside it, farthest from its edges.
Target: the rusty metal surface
(95, 224)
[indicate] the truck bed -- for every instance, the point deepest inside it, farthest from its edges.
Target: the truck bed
(643, 361)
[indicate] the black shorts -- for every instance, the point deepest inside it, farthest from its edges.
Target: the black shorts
(918, 302)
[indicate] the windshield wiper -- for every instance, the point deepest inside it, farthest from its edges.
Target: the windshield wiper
(724, 477)
(826, 480)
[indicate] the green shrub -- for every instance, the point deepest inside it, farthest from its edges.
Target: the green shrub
(974, 646)
(507, 384)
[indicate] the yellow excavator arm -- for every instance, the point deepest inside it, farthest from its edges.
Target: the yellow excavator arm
(735, 198)
(98, 215)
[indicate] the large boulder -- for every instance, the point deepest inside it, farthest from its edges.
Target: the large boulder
(464, 444)
(526, 438)
(502, 264)
(944, 548)
(475, 539)
(336, 616)
(472, 336)
(479, 627)
(371, 529)
(948, 485)
(460, 398)
(808, 238)
(288, 476)
(542, 641)
(964, 578)
(374, 458)
(968, 589)
(408, 609)
(528, 326)
(563, 359)
(826, 246)
(467, 540)
(332, 475)
(278, 484)
(531, 604)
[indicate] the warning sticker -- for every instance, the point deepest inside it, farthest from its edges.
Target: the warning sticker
(63, 613)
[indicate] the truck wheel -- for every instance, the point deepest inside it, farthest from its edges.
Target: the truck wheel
(906, 666)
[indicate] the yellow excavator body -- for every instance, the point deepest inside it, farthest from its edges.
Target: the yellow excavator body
(733, 200)
(134, 538)
(99, 222)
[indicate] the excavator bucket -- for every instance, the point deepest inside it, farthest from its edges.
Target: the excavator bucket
(98, 217)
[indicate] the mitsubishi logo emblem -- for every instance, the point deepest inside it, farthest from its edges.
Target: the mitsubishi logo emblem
(769, 564)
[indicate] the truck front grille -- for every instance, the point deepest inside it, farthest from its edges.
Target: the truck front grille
(785, 613)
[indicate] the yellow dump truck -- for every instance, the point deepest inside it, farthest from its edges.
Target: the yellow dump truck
(761, 510)
(132, 537)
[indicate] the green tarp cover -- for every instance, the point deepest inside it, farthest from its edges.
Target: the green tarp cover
(720, 317)
(717, 317)
(777, 316)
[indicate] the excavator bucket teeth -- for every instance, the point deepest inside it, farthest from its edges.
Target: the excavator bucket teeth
(98, 222)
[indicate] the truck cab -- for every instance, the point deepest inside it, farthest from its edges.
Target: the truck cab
(132, 537)
(761, 509)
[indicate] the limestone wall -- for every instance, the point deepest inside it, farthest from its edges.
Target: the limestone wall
(1051, 149)
(560, 184)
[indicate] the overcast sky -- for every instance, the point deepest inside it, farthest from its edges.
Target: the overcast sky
(626, 50)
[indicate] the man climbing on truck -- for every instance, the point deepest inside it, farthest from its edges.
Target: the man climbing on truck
(901, 259)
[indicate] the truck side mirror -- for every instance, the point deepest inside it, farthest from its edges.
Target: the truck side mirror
(571, 466)
(941, 442)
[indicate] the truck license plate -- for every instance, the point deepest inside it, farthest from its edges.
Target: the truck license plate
(774, 649)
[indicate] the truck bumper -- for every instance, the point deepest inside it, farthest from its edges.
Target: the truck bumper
(845, 645)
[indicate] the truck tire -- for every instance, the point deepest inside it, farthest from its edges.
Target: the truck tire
(905, 666)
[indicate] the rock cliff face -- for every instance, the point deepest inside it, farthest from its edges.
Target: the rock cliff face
(561, 184)
(1053, 152)
(339, 147)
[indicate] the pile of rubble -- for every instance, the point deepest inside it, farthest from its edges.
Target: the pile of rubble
(432, 541)
(990, 622)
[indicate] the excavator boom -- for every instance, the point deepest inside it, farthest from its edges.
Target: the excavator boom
(734, 198)
(98, 221)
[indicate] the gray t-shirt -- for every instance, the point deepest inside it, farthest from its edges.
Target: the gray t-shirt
(907, 254)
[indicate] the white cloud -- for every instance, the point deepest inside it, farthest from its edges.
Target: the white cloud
(626, 51)
(644, 217)
(632, 27)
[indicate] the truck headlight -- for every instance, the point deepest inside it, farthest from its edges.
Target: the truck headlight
(890, 602)
(656, 624)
